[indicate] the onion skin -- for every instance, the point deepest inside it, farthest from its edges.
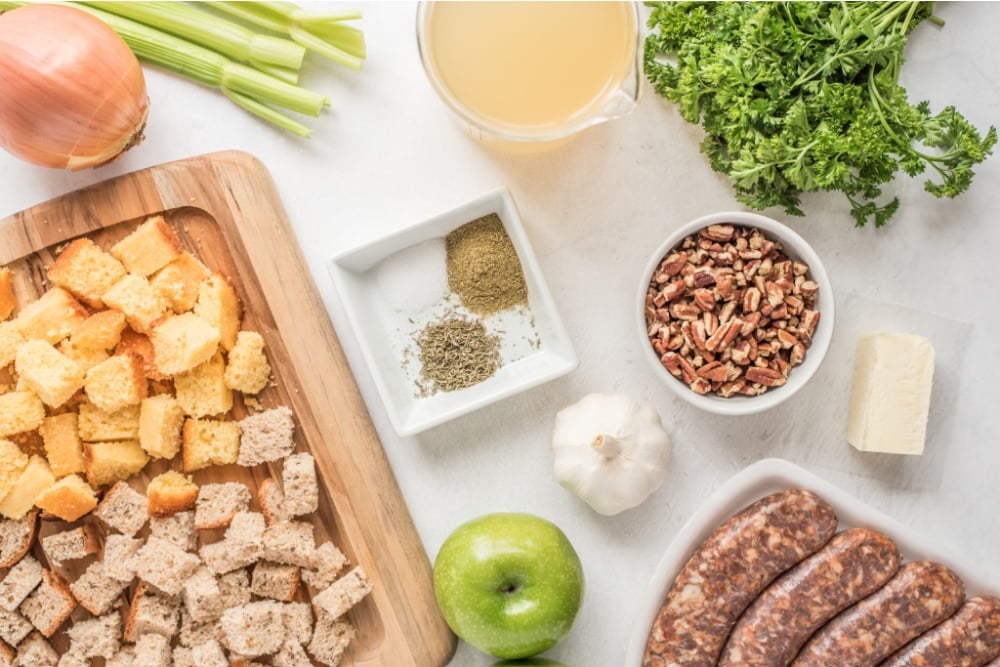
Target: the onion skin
(72, 94)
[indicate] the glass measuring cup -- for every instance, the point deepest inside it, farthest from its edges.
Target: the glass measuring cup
(531, 73)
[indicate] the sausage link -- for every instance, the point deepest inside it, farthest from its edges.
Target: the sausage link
(854, 564)
(970, 638)
(737, 561)
(921, 595)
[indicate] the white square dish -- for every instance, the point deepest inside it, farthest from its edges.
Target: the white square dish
(766, 477)
(379, 326)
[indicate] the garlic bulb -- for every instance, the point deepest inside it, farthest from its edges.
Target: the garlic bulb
(610, 450)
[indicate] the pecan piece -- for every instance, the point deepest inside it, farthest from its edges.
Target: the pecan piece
(704, 299)
(673, 264)
(685, 311)
(674, 290)
(751, 299)
(767, 377)
(713, 371)
(718, 232)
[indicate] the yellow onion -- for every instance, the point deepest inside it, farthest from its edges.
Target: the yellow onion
(72, 94)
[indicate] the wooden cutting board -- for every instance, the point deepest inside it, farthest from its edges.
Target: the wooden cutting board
(226, 210)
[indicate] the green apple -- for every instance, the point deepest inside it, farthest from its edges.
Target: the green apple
(530, 662)
(509, 584)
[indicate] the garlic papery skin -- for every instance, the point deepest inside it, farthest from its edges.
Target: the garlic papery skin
(72, 94)
(610, 450)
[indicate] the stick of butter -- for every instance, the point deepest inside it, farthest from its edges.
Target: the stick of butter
(892, 393)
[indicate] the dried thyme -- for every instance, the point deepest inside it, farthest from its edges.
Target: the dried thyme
(456, 353)
(483, 267)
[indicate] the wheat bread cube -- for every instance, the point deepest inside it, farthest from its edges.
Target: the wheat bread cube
(337, 598)
(14, 627)
(125, 657)
(247, 527)
(36, 651)
(101, 331)
(234, 586)
(209, 654)
(152, 650)
(275, 581)
(35, 479)
(164, 565)
(95, 591)
(326, 564)
(266, 436)
(227, 555)
(96, 425)
(116, 383)
(247, 369)
(330, 640)
(46, 371)
(136, 299)
(71, 544)
(202, 597)
(297, 621)
(118, 552)
(151, 611)
(16, 537)
(152, 245)
(63, 447)
(161, 419)
(291, 654)
(8, 654)
(10, 339)
(176, 528)
(289, 543)
(22, 411)
(193, 633)
(86, 271)
(109, 462)
(300, 485)
(52, 317)
(122, 508)
(23, 578)
(181, 342)
(97, 637)
(68, 499)
(217, 504)
(202, 391)
(12, 463)
(250, 630)
(218, 304)
(181, 656)
(178, 281)
(50, 604)
(8, 300)
(170, 492)
(73, 658)
(207, 442)
(272, 501)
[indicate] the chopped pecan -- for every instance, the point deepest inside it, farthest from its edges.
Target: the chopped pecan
(751, 299)
(714, 371)
(718, 232)
(767, 377)
(674, 290)
(704, 299)
(797, 355)
(684, 311)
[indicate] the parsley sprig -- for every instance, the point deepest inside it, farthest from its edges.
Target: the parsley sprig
(804, 96)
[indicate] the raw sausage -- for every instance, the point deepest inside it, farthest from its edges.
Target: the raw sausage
(921, 595)
(854, 564)
(729, 570)
(970, 638)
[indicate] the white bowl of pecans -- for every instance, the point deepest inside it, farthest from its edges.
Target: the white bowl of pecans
(736, 312)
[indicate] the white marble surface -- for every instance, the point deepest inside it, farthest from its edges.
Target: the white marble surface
(389, 155)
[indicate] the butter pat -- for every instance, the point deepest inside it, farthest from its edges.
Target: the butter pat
(892, 393)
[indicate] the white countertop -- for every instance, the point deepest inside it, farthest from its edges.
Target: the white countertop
(389, 155)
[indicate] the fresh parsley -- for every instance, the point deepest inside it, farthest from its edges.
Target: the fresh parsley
(804, 96)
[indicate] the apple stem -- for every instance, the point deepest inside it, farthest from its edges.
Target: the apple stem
(607, 446)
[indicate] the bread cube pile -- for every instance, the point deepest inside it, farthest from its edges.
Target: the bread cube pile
(134, 355)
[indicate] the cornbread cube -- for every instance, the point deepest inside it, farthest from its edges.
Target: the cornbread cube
(44, 370)
(96, 637)
(299, 481)
(50, 604)
(153, 245)
(22, 411)
(116, 383)
(290, 543)
(85, 358)
(140, 345)
(219, 503)
(151, 612)
(70, 544)
(164, 565)
(118, 552)
(86, 271)
(8, 301)
(178, 281)
(10, 339)
(181, 342)
(12, 463)
(52, 317)
(202, 391)
(169, 493)
(96, 425)
(17, 537)
(327, 562)
(122, 508)
(63, 447)
(176, 528)
(219, 305)
(248, 370)
(152, 650)
(266, 436)
(137, 300)
(108, 462)
(19, 582)
(206, 442)
(336, 599)
(202, 597)
(161, 419)
(13, 627)
(69, 498)
(275, 581)
(36, 478)
(330, 639)
(249, 630)
(36, 651)
(100, 331)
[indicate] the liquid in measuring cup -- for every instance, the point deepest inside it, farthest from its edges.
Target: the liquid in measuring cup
(530, 70)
